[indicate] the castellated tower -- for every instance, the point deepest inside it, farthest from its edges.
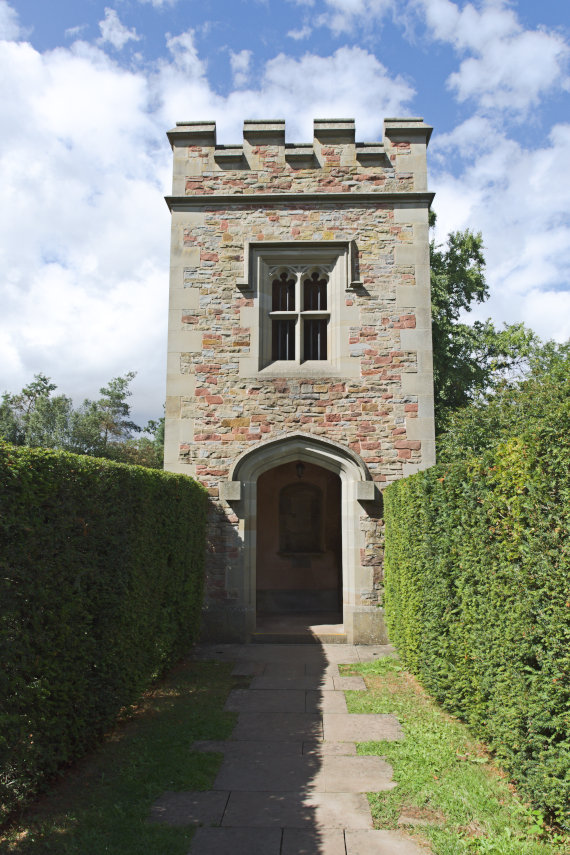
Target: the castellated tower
(299, 362)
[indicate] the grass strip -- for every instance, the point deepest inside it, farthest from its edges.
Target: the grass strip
(102, 804)
(448, 785)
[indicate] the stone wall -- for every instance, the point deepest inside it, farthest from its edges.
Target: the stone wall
(221, 400)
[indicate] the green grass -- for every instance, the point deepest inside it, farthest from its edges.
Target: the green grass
(102, 805)
(444, 776)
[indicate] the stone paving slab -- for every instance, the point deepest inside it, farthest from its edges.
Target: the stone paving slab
(243, 747)
(361, 727)
(316, 669)
(278, 727)
(295, 810)
(304, 773)
(325, 701)
(333, 748)
(190, 808)
(303, 682)
(271, 701)
(236, 841)
(364, 774)
(381, 843)
(270, 773)
(297, 841)
(346, 684)
(281, 671)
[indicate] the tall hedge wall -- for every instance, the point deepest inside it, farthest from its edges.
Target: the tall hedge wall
(101, 568)
(478, 599)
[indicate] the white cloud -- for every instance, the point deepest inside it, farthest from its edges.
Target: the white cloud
(240, 65)
(84, 228)
(506, 67)
(520, 200)
(83, 166)
(303, 33)
(343, 15)
(73, 32)
(312, 86)
(9, 26)
(114, 32)
(159, 4)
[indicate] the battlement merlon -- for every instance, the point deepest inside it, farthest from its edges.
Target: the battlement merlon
(406, 141)
(263, 149)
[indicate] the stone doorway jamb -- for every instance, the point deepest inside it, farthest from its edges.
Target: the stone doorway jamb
(363, 623)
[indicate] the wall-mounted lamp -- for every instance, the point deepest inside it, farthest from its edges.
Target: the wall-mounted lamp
(300, 467)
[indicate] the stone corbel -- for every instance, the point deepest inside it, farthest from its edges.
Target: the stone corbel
(365, 491)
(230, 491)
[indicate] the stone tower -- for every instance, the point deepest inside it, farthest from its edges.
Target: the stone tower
(299, 360)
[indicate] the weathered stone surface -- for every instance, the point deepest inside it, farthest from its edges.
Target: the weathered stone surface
(297, 810)
(381, 843)
(361, 727)
(236, 841)
(297, 841)
(279, 700)
(276, 727)
(326, 701)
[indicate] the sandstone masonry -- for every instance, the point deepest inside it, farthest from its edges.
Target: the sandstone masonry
(240, 403)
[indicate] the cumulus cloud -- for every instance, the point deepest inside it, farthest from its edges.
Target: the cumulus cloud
(300, 34)
(341, 16)
(83, 166)
(84, 228)
(240, 63)
(505, 67)
(313, 86)
(519, 199)
(114, 32)
(9, 25)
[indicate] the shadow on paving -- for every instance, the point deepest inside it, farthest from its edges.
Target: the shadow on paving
(291, 782)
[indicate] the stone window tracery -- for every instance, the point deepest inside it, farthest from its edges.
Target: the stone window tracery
(302, 312)
(299, 314)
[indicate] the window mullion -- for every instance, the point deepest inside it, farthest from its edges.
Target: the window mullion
(298, 325)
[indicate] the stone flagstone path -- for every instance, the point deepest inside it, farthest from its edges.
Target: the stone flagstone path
(291, 782)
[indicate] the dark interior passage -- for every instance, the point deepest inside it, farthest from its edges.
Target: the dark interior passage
(299, 557)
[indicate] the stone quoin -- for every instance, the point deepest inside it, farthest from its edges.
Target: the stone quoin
(300, 378)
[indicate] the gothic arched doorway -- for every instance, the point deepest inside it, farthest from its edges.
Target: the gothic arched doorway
(299, 541)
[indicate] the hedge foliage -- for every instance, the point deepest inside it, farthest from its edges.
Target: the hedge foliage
(478, 598)
(101, 585)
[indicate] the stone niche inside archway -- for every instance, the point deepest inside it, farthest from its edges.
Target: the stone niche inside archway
(299, 540)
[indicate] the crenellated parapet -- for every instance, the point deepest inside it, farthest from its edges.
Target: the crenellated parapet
(333, 162)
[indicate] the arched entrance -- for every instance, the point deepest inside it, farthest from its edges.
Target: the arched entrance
(299, 542)
(356, 489)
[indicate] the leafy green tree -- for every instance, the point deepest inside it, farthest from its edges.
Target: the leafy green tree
(468, 358)
(513, 406)
(102, 428)
(114, 411)
(34, 417)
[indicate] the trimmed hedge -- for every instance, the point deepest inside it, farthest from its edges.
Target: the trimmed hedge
(477, 576)
(101, 587)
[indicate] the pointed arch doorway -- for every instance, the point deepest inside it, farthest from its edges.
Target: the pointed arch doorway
(362, 622)
(299, 547)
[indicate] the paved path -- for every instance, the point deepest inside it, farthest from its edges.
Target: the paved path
(291, 782)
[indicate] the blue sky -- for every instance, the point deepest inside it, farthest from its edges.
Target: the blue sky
(91, 87)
